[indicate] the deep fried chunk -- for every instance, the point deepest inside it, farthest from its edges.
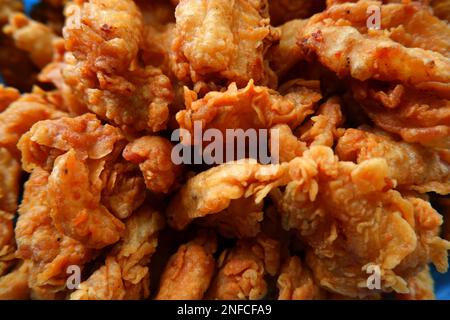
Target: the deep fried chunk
(417, 116)
(411, 165)
(101, 67)
(14, 285)
(213, 190)
(22, 114)
(189, 271)
(85, 134)
(32, 37)
(250, 107)
(295, 282)
(154, 157)
(49, 252)
(242, 270)
(222, 39)
(74, 198)
(125, 274)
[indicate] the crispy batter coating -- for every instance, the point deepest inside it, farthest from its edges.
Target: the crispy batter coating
(409, 23)
(7, 243)
(102, 69)
(48, 251)
(9, 181)
(9, 193)
(242, 270)
(417, 116)
(153, 155)
(49, 139)
(357, 119)
(212, 191)
(241, 219)
(189, 271)
(32, 37)
(7, 96)
(22, 114)
(324, 127)
(124, 188)
(411, 165)
(223, 40)
(351, 219)
(421, 287)
(250, 107)
(295, 282)
(290, 146)
(283, 56)
(14, 285)
(74, 198)
(125, 274)
(347, 52)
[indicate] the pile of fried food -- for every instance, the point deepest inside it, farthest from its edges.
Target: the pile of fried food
(95, 88)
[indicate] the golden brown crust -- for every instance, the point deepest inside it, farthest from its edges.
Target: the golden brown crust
(189, 271)
(242, 270)
(222, 40)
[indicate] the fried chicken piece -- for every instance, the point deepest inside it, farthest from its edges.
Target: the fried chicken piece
(351, 219)
(323, 128)
(154, 157)
(9, 194)
(411, 165)
(222, 40)
(32, 37)
(409, 23)
(189, 271)
(212, 191)
(421, 287)
(124, 189)
(283, 56)
(7, 96)
(48, 251)
(347, 52)
(125, 275)
(14, 285)
(241, 219)
(417, 116)
(22, 114)
(251, 107)
(9, 181)
(7, 243)
(282, 11)
(289, 145)
(295, 282)
(85, 134)
(108, 79)
(242, 270)
(74, 199)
